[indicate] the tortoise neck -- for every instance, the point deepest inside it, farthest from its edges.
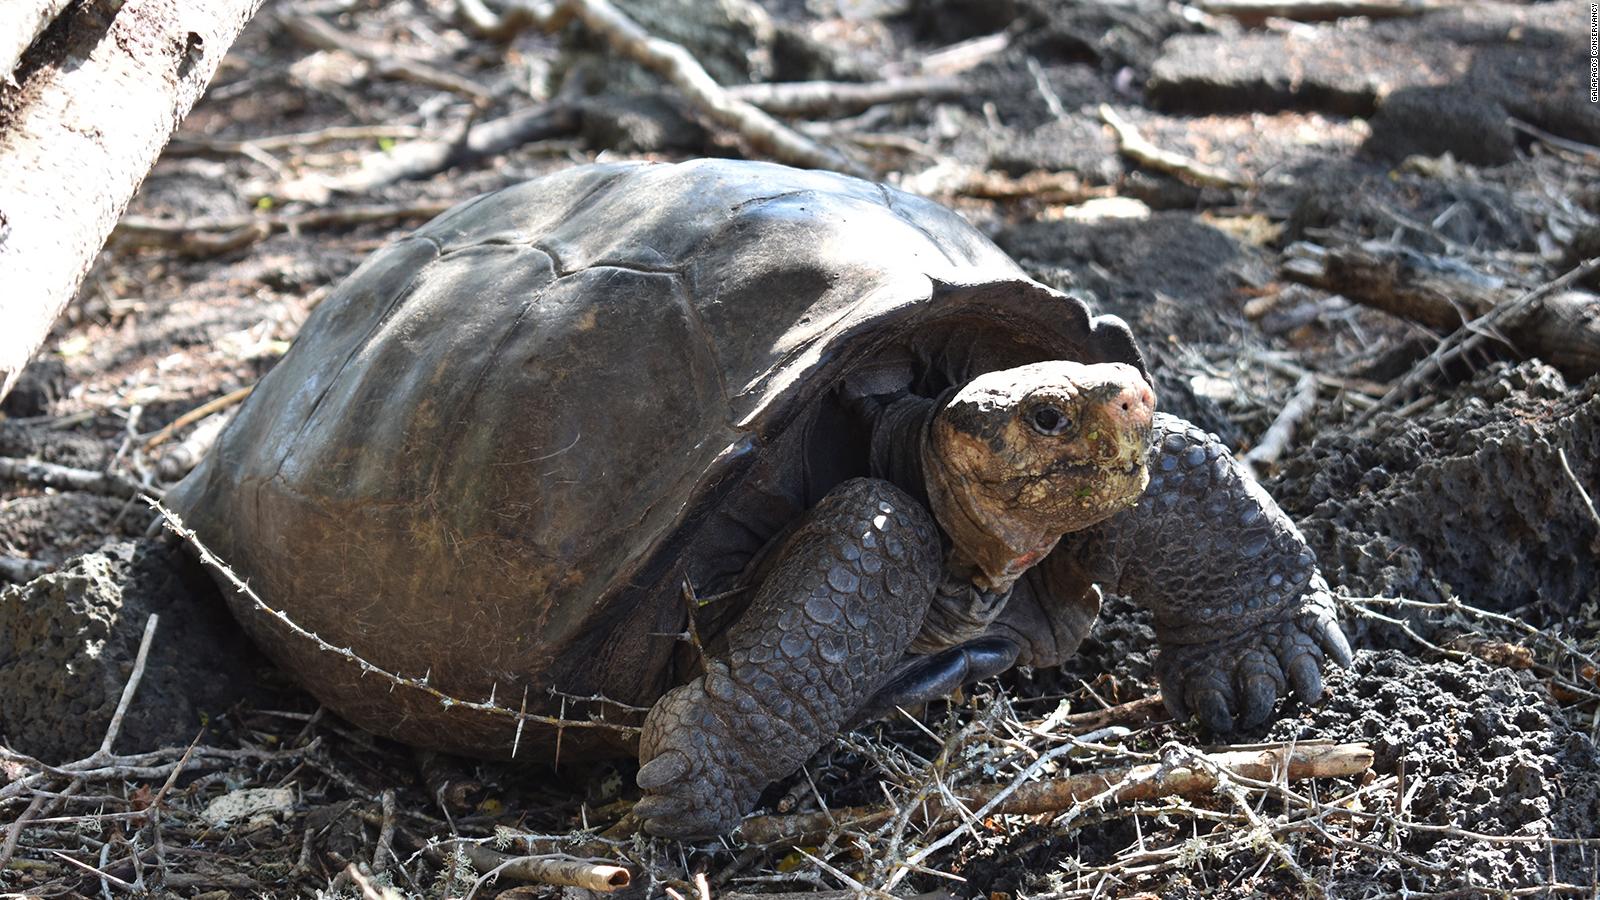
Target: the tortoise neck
(900, 428)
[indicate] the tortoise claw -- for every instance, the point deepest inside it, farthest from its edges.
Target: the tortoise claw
(1334, 643)
(1234, 683)
(658, 806)
(1260, 695)
(1305, 674)
(1212, 707)
(664, 769)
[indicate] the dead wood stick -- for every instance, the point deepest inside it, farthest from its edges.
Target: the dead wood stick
(1587, 152)
(1123, 784)
(477, 18)
(816, 98)
(100, 756)
(80, 136)
(9, 848)
(761, 131)
(1492, 325)
(370, 890)
(180, 459)
(566, 871)
(1281, 431)
(19, 570)
(129, 689)
(21, 23)
(196, 144)
(385, 848)
(1137, 148)
(1135, 712)
(214, 405)
(419, 159)
(966, 55)
(316, 32)
(158, 764)
(1560, 326)
(1572, 476)
(66, 478)
(202, 235)
(1257, 11)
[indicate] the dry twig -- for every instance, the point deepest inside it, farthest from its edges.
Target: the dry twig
(1474, 334)
(1055, 795)
(1281, 431)
(488, 707)
(764, 134)
(1585, 152)
(214, 405)
(1136, 147)
(1588, 501)
(601, 877)
(1561, 327)
(421, 158)
(316, 32)
(19, 570)
(831, 98)
(196, 144)
(1257, 11)
(211, 235)
(66, 478)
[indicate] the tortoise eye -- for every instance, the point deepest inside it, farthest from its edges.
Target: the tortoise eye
(1049, 421)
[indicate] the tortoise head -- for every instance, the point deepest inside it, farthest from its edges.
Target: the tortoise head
(1021, 456)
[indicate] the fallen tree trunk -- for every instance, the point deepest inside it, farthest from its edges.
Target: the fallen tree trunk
(22, 21)
(1562, 328)
(78, 136)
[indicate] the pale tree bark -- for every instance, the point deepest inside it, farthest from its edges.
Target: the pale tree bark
(20, 22)
(79, 135)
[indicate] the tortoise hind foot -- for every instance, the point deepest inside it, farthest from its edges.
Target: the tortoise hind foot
(843, 601)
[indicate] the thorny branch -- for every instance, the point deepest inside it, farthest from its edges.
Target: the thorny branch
(487, 707)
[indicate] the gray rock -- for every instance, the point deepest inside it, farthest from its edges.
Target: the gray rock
(68, 641)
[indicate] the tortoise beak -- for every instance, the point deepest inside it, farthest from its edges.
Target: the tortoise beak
(1124, 409)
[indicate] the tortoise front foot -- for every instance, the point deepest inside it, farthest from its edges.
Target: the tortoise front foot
(699, 779)
(1234, 682)
(845, 598)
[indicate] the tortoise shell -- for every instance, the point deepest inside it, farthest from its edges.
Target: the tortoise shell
(494, 452)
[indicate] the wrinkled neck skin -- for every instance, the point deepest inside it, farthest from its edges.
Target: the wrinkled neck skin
(991, 552)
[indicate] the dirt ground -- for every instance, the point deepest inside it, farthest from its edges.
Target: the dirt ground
(1325, 172)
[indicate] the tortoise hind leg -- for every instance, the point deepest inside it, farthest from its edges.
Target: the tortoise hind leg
(841, 604)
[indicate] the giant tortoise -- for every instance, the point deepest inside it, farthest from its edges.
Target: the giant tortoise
(877, 459)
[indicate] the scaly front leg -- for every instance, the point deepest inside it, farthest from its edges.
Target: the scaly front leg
(1242, 614)
(845, 598)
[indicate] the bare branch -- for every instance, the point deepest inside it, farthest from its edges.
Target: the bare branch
(1055, 795)
(1136, 147)
(66, 478)
(316, 32)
